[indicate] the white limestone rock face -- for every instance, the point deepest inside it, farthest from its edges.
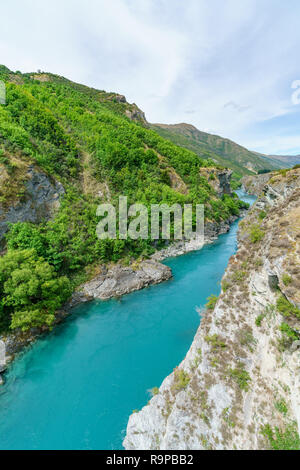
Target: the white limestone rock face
(2, 352)
(241, 372)
(2, 360)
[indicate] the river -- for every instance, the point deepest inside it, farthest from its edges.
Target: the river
(76, 387)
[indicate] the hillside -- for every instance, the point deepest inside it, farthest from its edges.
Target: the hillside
(238, 387)
(65, 148)
(223, 151)
(288, 161)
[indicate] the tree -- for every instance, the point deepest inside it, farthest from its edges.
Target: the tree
(30, 289)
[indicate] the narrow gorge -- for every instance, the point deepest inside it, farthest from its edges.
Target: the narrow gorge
(90, 326)
(102, 356)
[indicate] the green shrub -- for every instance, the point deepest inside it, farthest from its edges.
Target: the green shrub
(215, 341)
(241, 376)
(289, 332)
(256, 234)
(283, 172)
(286, 279)
(259, 319)
(226, 417)
(247, 339)
(181, 380)
(239, 276)
(212, 300)
(286, 308)
(225, 285)
(281, 406)
(259, 262)
(235, 184)
(287, 338)
(287, 439)
(262, 215)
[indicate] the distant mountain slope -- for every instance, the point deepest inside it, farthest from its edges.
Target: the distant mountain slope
(287, 161)
(224, 151)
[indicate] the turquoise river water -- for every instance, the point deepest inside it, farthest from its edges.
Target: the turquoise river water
(75, 388)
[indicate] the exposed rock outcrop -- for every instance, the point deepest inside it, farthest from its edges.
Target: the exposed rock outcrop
(136, 114)
(219, 180)
(240, 380)
(38, 197)
(120, 280)
(255, 184)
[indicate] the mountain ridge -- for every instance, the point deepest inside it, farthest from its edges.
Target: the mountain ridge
(223, 150)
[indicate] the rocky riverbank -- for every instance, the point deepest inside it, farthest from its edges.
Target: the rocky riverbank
(212, 231)
(239, 385)
(120, 280)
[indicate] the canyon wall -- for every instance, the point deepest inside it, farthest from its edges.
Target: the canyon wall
(239, 384)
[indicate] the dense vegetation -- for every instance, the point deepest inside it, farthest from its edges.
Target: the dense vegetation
(31, 291)
(71, 131)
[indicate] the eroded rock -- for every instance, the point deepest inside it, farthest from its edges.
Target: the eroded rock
(40, 200)
(120, 280)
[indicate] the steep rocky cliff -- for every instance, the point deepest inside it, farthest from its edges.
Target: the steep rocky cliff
(219, 179)
(27, 194)
(254, 184)
(239, 385)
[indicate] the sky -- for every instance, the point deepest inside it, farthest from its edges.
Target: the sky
(229, 67)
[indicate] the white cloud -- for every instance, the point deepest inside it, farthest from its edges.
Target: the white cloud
(223, 66)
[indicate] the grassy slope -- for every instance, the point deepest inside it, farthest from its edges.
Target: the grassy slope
(224, 151)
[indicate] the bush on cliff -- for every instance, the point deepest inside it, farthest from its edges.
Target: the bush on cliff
(286, 308)
(256, 234)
